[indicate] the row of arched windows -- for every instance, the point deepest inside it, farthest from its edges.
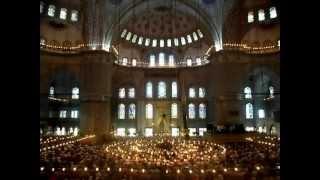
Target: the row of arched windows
(178, 41)
(62, 14)
(162, 89)
(197, 92)
(75, 92)
(131, 111)
(248, 93)
(249, 107)
(202, 112)
(126, 92)
(163, 60)
(150, 111)
(261, 14)
(61, 131)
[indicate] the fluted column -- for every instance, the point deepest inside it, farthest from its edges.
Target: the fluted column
(96, 92)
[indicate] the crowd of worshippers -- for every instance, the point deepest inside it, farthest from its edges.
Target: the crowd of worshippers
(89, 161)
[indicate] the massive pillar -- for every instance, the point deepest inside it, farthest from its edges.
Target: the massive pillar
(96, 92)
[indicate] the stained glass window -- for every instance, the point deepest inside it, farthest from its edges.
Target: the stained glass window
(122, 92)
(174, 110)
(161, 59)
(192, 92)
(250, 17)
(191, 111)
(74, 15)
(247, 93)
(249, 111)
(149, 90)
(149, 111)
(261, 15)
(51, 10)
(273, 12)
(121, 111)
(202, 111)
(202, 92)
(75, 93)
(174, 89)
(132, 111)
(63, 13)
(162, 89)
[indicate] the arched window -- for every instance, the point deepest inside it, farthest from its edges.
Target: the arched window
(134, 62)
(174, 89)
(75, 131)
(154, 43)
(122, 92)
(129, 36)
(131, 93)
(161, 43)
(189, 39)
(148, 132)
(70, 131)
(74, 15)
(58, 131)
(195, 37)
(74, 114)
(174, 132)
(132, 132)
(200, 33)
(63, 131)
(249, 111)
(121, 111)
(183, 41)
(51, 91)
(189, 62)
(176, 41)
(63, 13)
(147, 42)
(161, 59)
(171, 60)
(149, 111)
(168, 42)
(202, 111)
(132, 111)
(152, 60)
(124, 61)
(271, 91)
(75, 93)
(149, 90)
(273, 12)
(192, 92)
(247, 93)
(191, 111)
(121, 132)
(63, 114)
(261, 113)
(134, 38)
(140, 40)
(202, 92)
(261, 15)
(174, 110)
(51, 10)
(250, 17)
(202, 131)
(123, 34)
(198, 60)
(162, 89)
